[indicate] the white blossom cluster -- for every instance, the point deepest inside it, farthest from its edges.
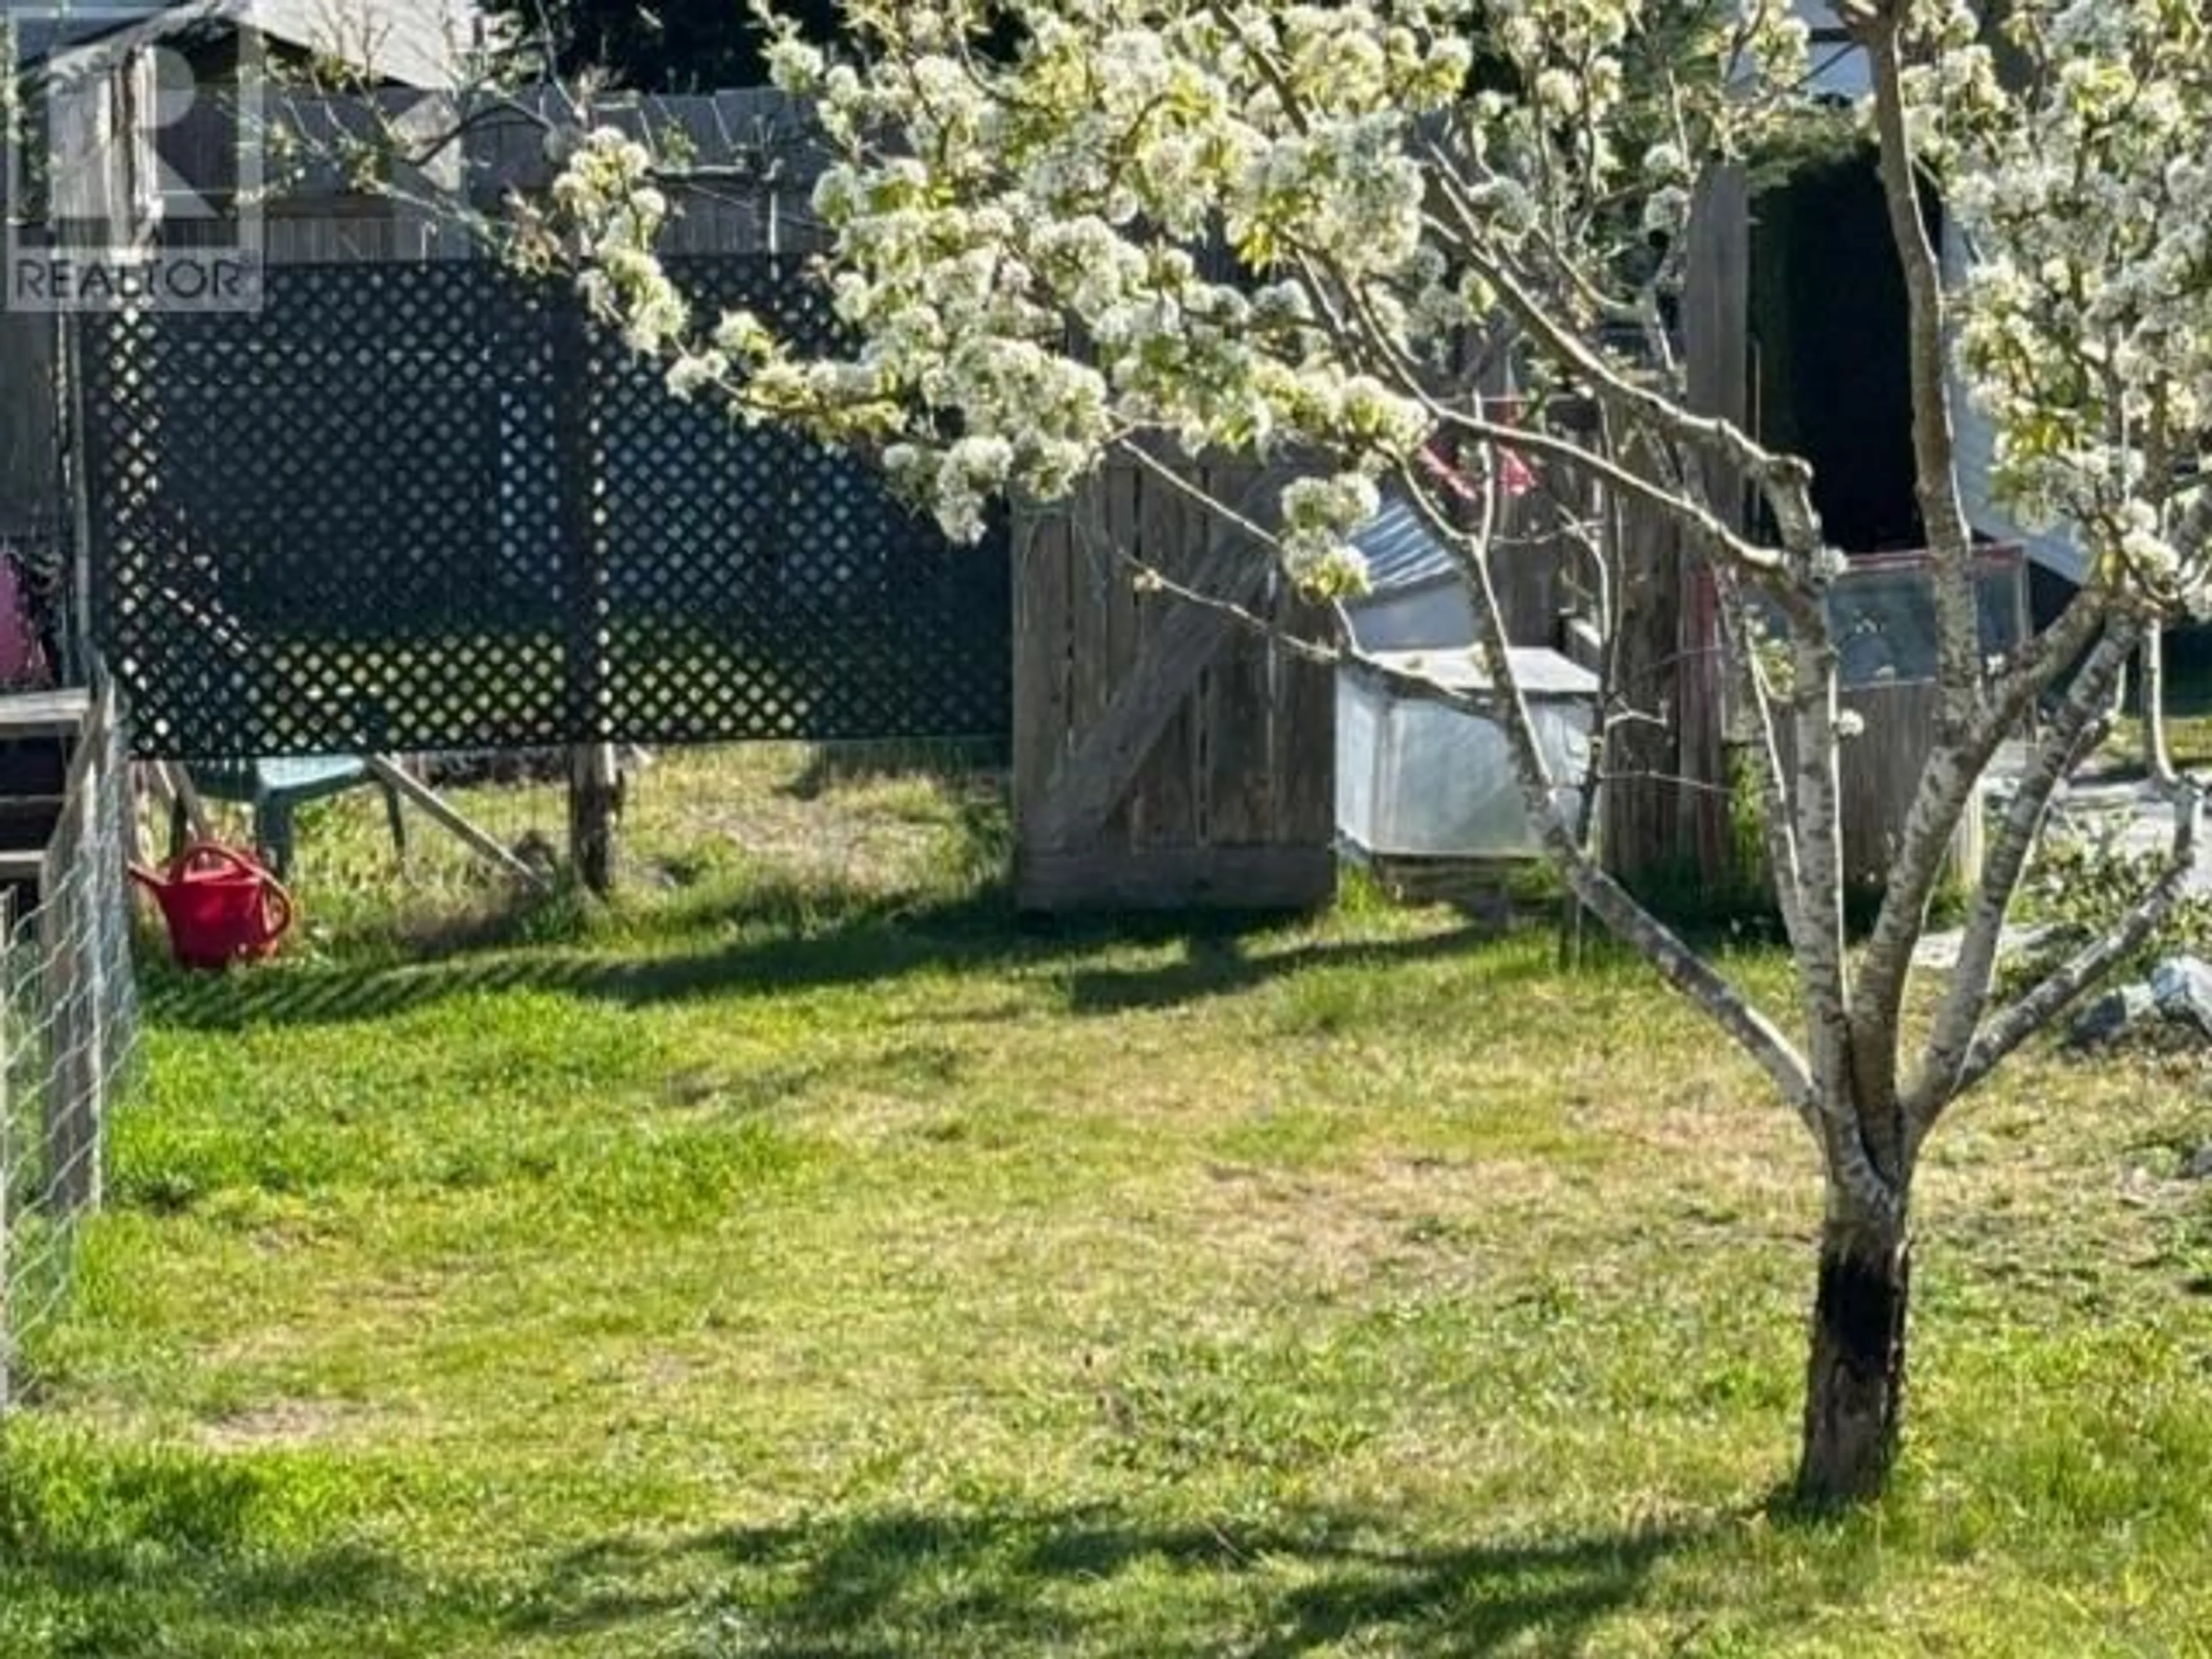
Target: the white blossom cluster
(607, 184)
(1034, 250)
(1248, 226)
(2084, 329)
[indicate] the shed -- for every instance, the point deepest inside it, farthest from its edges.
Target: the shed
(1840, 72)
(1795, 326)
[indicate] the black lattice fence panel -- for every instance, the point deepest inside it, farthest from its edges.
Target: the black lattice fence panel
(425, 506)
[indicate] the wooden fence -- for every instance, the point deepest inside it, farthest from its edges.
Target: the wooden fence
(1165, 755)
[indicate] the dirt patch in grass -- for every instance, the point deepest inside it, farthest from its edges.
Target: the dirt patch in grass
(1335, 1231)
(286, 1424)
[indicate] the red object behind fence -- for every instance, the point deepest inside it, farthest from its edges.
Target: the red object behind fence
(221, 905)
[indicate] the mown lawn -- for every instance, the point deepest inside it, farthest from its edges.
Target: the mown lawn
(804, 1258)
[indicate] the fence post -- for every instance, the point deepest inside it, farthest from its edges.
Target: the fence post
(594, 783)
(84, 890)
(7, 1157)
(594, 800)
(75, 1177)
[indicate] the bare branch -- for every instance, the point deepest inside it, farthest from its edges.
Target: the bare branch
(1823, 968)
(1940, 801)
(1935, 452)
(1784, 480)
(2069, 732)
(1705, 528)
(1612, 903)
(1778, 823)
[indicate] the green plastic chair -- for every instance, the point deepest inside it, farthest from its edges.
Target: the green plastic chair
(275, 786)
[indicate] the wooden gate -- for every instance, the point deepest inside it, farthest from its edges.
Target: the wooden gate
(1165, 755)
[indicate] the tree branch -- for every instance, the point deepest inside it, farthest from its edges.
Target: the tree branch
(1784, 480)
(1679, 965)
(1823, 972)
(1705, 529)
(1964, 1004)
(1940, 802)
(1935, 451)
(1778, 824)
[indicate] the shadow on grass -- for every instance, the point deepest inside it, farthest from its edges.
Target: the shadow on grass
(776, 938)
(161, 1553)
(1219, 964)
(173, 1551)
(1094, 1580)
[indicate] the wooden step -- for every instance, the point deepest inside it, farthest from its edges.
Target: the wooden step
(26, 714)
(23, 864)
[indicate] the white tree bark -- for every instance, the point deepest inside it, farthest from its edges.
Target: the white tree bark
(1778, 824)
(2158, 756)
(1961, 1012)
(1935, 451)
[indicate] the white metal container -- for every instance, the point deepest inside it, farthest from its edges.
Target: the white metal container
(1418, 779)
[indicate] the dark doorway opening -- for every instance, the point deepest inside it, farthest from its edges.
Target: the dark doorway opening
(1829, 364)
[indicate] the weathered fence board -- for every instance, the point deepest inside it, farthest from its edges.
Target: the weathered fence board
(1165, 755)
(1878, 774)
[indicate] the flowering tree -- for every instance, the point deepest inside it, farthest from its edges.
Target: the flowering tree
(1316, 231)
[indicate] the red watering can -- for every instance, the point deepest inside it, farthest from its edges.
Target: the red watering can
(219, 903)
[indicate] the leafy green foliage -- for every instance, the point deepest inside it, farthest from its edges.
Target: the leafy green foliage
(672, 45)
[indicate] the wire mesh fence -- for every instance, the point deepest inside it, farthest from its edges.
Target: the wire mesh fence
(70, 1027)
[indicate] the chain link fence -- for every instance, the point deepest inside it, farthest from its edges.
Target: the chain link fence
(70, 1027)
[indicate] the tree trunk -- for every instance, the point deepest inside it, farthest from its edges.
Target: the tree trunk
(1855, 1382)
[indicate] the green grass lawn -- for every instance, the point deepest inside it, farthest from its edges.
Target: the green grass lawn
(2188, 741)
(803, 1259)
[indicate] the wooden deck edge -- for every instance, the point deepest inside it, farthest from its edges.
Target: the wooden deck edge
(28, 715)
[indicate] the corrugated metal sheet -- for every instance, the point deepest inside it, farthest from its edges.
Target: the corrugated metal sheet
(1399, 550)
